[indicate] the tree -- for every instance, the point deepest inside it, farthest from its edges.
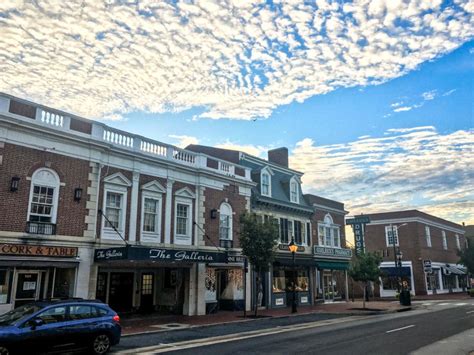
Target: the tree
(258, 241)
(366, 268)
(466, 256)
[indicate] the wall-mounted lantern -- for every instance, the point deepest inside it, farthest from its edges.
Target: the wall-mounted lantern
(213, 213)
(14, 184)
(77, 194)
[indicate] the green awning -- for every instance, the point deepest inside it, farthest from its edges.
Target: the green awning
(328, 265)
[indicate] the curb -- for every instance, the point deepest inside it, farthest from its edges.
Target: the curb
(343, 315)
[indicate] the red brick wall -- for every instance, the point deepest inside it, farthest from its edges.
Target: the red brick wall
(213, 200)
(318, 216)
(23, 162)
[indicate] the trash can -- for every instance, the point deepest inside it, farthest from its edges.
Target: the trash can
(405, 298)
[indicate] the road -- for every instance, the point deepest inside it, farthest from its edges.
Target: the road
(399, 333)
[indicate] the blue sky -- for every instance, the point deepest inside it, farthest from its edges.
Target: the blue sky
(374, 99)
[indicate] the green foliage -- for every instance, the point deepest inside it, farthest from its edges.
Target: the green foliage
(466, 257)
(365, 268)
(258, 240)
(471, 292)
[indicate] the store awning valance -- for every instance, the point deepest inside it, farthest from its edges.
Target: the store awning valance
(395, 271)
(328, 265)
(448, 269)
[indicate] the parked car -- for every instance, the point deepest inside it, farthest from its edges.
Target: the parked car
(59, 326)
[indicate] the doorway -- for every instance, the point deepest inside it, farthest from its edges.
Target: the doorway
(146, 294)
(328, 286)
(121, 291)
(27, 287)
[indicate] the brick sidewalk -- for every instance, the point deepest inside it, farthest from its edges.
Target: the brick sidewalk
(153, 323)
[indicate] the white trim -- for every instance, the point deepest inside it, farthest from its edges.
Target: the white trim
(416, 219)
(328, 222)
(429, 242)
(393, 229)
(329, 209)
(391, 293)
(154, 186)
(185, 192)
(151, 237)
(118, 179)
(168, 207)
(56, 186)
(230, 235)
(132, 228)
(188, 238)
(107, 232)
(444, 240)
(268, 172)
(294, 180)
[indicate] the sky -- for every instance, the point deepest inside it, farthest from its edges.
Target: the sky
(374, 99)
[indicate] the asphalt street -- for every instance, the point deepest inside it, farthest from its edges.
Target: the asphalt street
(382, 334)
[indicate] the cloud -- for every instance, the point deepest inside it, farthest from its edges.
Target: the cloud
(429, 95)
(235, 59)
(256, 150)
(184, 141)
(403, 108)
(404, 169)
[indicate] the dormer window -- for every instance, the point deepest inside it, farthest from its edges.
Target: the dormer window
(266, 188)
(294, 195)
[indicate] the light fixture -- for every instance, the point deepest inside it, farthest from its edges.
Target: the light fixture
(292, 246)
(77, 194)
(14, 184)
(213, 213)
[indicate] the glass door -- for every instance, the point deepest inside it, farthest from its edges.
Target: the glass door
(328, 283)
(27, 287)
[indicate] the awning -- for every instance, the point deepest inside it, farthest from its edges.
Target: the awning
(395, 271)
(448, 269)
(328, 265)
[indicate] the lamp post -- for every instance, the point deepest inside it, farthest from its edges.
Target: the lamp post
(293, 248)
(397, 255)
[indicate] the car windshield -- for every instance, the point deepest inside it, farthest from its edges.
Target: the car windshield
(19, 313)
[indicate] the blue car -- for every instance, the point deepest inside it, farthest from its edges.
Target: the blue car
(59, 326)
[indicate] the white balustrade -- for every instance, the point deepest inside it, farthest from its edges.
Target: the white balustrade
(51, 118)
(184, 156)
(225, 167)
(153, 148)
(117, 138)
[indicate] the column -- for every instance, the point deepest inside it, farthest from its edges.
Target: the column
(168, 209)
(132, 230)
(347, 286)
(85, 275)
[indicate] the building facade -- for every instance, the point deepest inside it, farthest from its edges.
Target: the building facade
(90, 211)
(428, 247)
(315, 224)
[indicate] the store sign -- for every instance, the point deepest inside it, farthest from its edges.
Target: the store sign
(285, 247)
(304, 299)
(358, 226)
(336, 252)
(279, 301)
(427, 266)
(160, 254)
(38, 250)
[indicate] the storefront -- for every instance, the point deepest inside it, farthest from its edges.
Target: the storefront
(331, 275)
(446, 278)
(168, 281)
(30, 272)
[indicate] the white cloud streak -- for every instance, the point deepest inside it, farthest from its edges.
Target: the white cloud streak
(234, 59)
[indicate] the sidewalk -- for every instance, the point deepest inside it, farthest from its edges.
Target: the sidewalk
(137, 324)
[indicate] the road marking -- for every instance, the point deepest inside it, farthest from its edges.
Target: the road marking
(461, 304)
(403, 328)
(444, 304)
(469, 312)
(155, 349)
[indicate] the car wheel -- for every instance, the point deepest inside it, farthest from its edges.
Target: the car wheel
(4, 350)
(101, 344)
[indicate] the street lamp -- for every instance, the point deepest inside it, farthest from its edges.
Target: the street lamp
(293, 248)
(397, 254)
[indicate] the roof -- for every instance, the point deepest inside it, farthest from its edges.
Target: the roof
(411, 214)
(318, 200)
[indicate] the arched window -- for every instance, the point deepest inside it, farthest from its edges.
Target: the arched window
(225, 221)
(329, 234)
(44, 195)
(294, 193)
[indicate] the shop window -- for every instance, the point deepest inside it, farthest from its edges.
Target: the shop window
(428, 236)
(101, 289)
(445, 241)
(432, 280)
(4, 285)
(64, 283)
(391, 235)
(225, 222)
(44, 196)
(279, 280)
(302, 283)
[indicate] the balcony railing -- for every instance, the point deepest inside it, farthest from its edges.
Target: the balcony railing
(40, 228)
(51, 119)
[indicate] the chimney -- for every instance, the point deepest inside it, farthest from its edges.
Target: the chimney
(279, 156)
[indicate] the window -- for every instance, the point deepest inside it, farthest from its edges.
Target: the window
(284, 231)
(225, 221)
(64, 282)
(183, 223)
(265, 184)
(458, 242)
(82, 312)
(329, 233)
(294, 196)
(44, 195)
(53, 315)
(4, 285)
(391, 239)
(445, 242)
(113, 210)
(151, 217)
(428, 236)
(298, 233)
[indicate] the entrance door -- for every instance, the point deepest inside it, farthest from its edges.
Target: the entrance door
(328, 286)
(121, 291)
(27, 287)
(146, 300)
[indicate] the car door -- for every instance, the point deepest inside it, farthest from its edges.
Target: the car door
(83, 323)
(50, 334)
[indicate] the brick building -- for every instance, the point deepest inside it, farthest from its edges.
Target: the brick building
(91, 211)
(316, 225)
(419, 237)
